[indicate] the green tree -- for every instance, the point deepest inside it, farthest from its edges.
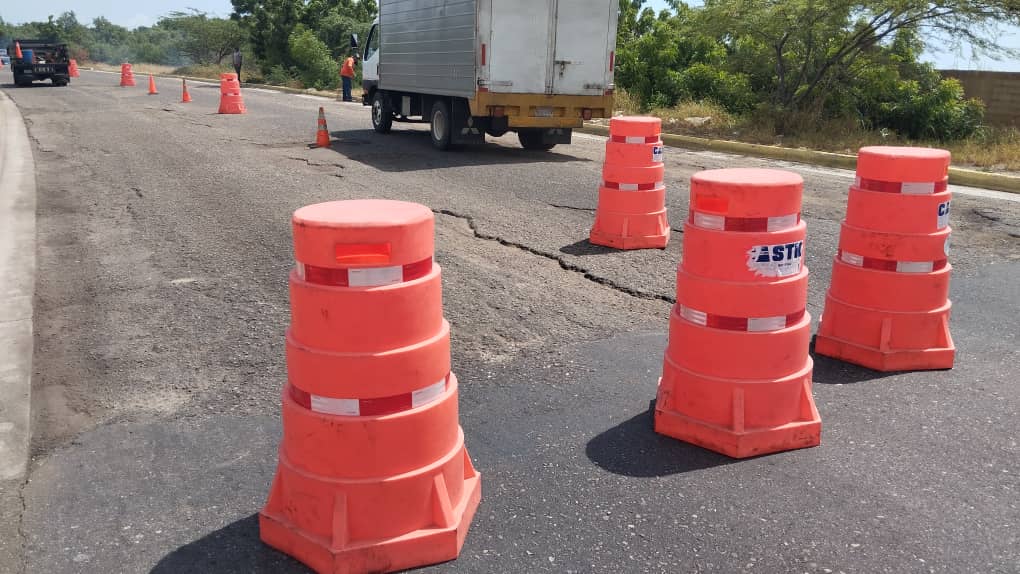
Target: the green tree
(814, 43)
(204, 40)
(270, 24)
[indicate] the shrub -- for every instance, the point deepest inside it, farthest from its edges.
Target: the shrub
(311, 56)
(279, 76)
(926, 106)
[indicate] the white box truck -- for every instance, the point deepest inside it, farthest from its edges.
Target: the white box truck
(475, 67)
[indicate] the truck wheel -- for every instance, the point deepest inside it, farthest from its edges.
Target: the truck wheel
(441, 124)
(531, 139)
(382, 112)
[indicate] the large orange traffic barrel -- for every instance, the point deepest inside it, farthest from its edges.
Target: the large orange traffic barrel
(127, 76)
(888, 303)
(631, 210)
(231, 101)
(373, 473)
(737, 374)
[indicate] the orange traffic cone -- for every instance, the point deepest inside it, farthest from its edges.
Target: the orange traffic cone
(72, 69)
(631, 210)
(888, 303)
(322, 134)
(127, 76)
(737, 375)
(185, 96)
(231, 101)
(373, 475)
(152, 86)
(17, 51)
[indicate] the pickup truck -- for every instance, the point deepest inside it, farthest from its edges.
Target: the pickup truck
(476, 67)
(41, 60)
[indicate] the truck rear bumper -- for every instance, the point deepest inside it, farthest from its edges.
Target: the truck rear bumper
(541, 110)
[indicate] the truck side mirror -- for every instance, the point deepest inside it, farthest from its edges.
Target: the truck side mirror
(354, 40)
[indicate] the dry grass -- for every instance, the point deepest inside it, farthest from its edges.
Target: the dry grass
(993, 149)
(154, 69)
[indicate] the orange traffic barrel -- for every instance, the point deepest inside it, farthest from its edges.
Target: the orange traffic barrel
(888, 302)
(737, 373)
(127, 76)
(231, 101)
(631, 210)
(229, 83)
(373, 473)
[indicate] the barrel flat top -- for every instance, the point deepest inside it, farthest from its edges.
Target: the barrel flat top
(363, 213)
(748, 177)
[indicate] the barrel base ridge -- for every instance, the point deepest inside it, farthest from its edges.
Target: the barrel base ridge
(623, 237)
(742, 442)
(886, 341)
(440, 542)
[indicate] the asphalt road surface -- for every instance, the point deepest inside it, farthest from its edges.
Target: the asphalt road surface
(161, 305)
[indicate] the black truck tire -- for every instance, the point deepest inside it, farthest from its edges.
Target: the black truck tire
(382, 112)
(441, 125)
(531, 139)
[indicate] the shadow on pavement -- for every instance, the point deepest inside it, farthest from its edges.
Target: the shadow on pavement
(633, 448)
(585, 247)
(235, 548)
(829, 371)
(411, 150)
(32, 85)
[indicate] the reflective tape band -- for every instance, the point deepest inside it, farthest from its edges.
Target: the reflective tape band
(363, 276)
(369, 407)
(749, 324)
(634, 139)
(906, 188)
(890, 265)
(745, 224)
(634, 186)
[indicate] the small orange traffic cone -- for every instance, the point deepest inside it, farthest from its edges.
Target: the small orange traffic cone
(185, 96)
(152, 86)
(322, 135)
(72, 69)
(17, 50)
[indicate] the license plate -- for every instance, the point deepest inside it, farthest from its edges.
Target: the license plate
(43, 69)
(543, 112)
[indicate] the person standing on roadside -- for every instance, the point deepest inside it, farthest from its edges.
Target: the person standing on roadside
(238, 60)
(347, 76)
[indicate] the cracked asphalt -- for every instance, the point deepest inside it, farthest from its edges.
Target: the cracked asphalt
(161, 304)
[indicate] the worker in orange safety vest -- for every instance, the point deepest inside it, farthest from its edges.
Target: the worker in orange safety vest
(347, 76)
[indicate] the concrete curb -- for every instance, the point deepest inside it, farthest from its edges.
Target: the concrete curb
(17, 288)
(957, 176)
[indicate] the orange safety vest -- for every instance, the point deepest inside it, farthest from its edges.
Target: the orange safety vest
(347, 70)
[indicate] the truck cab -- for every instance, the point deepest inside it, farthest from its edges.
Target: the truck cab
(475, 67)
(40, 60)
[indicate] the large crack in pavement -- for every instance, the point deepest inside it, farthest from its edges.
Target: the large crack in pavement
(564, 264)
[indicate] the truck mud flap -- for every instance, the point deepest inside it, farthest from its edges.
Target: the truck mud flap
(466, 130)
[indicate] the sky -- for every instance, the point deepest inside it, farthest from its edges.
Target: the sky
(132, 13)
